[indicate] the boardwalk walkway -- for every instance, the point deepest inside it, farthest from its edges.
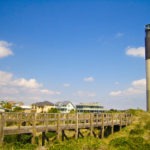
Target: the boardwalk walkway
(19, 123)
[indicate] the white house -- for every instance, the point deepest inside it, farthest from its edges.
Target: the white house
(65, 106)
(89, 107)
(2, 109)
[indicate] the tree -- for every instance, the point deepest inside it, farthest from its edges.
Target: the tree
(72, 111)
(17, 109)
(7, 106)
(53, 110)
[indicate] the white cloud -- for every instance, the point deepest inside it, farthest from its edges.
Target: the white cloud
(31, 83)
(8, 90)
(5, 49)
(66, 85)
(22, 89)
(85, 94)
(139, 83)
(115, 93)
(89, 79)
(46, 91)
(137, 87)
(136, 52)
(5, 78)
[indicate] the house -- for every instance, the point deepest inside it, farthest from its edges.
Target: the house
(2, 109)
(26, 108)
(41, 107)
(89, 107)
(65, 106)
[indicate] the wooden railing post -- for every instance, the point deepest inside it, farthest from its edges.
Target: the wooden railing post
(2, 122)
(76, 130)
(34, 128)
(46, 122)
(102, 128)
(58, 126)
(67, 120)
(112, 123)
(126, 119)
(91, 124)
(19, 119)
(120, 121)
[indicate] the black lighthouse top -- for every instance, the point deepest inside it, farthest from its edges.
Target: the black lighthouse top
(147, 42)
(147, 27)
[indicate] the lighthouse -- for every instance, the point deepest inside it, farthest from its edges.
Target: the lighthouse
(147, 60)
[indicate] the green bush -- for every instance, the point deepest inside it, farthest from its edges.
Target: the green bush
(121, 143)
(134, 112)
(131, 143)
(10, 138)
(18, 146)
(137, 142)
(50, 134)
(146, 147)
(147, 125)
(88, 143)
(29, 146)
(137, 131)
(25, 138)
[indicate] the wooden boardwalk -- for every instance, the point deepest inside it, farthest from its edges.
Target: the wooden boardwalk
(19, 123)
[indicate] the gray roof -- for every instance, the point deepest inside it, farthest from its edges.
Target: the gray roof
(64, 103)
(43, 103)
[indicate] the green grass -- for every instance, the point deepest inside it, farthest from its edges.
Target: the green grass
(133, 137)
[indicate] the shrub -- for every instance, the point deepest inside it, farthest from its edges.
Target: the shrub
(10, 138)
(137, 142)
(29, 146)
(131, 143)
(146, 147)
(136, 131)
(50, 134)
(25, 138)
(147, 125)
(88, 143)
(120, 143)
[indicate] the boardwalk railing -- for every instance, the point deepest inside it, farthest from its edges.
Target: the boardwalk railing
(18, 123)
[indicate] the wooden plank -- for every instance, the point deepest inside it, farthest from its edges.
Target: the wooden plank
(91, 124)
(112, 123)
(77, 127)
(34, 128)
(2, 122)
(44, 122)
(58, 126)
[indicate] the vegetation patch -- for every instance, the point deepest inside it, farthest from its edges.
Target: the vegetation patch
(133, 137)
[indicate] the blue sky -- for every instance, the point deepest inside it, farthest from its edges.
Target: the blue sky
(82, 51)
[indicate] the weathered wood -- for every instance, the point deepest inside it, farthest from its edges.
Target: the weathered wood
(94, 134)
(58, 126)
(44, 137)
(91, 124)
(34, 128)
(102, 127)
(112, 124)
(80, 134)
(76, 129)
(2, 122)
(19, 123)
(46, 122)
(120, 125)
(64, 136)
